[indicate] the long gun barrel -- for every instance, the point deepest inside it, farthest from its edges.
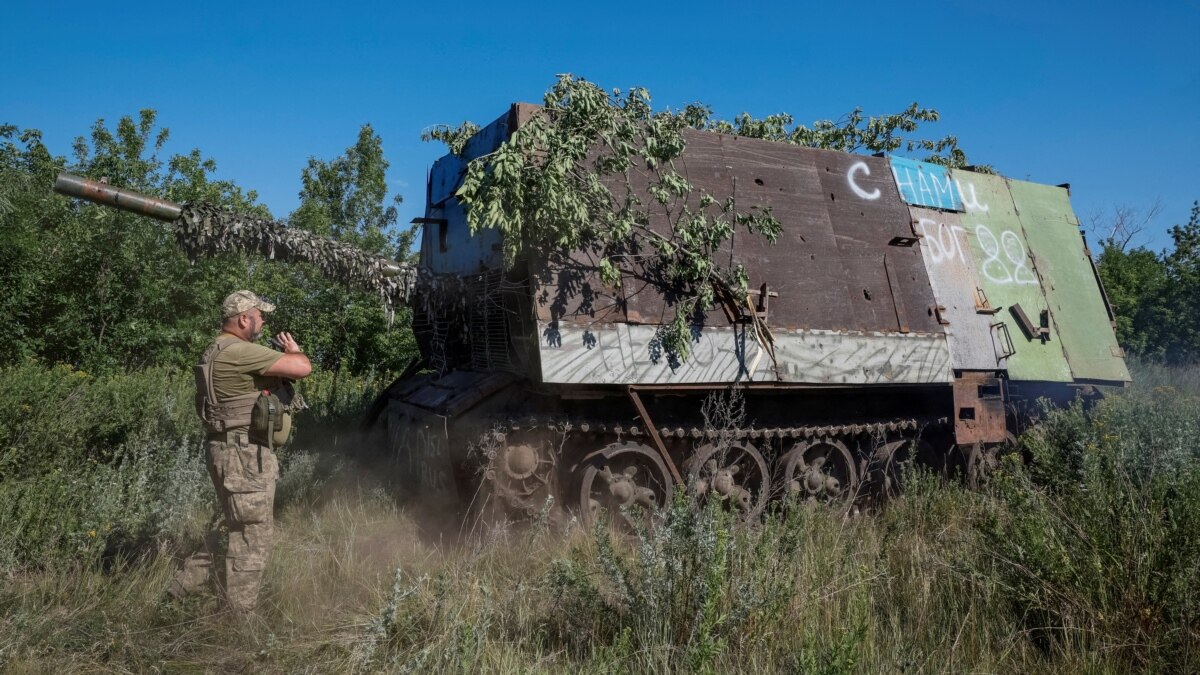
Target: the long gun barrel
(159, 209)
(126, 200)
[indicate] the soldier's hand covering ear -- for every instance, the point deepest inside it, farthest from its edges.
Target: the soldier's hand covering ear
(288, 344)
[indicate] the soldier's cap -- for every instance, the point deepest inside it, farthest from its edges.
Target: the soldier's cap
(243, 301)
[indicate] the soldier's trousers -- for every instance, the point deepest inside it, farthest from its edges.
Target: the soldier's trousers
(244, 475)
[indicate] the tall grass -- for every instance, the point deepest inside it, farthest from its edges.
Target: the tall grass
(90, 466)
(1149, 376)
(97, 467)
(1084, 560)
(1098, 540)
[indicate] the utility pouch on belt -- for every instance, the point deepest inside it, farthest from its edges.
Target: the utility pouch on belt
(266, 419)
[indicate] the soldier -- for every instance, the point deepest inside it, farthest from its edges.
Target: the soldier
(244, 398)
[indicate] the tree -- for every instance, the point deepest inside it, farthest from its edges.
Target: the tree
(347, 198)
(96, 287)
(1156, 295)
(1182, 293)
(1134, 280)
(1126, 224)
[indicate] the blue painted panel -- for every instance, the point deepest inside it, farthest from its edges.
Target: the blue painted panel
(487, 139)
(452, 249)
(924, 184)
(444, 178)
(448, 172)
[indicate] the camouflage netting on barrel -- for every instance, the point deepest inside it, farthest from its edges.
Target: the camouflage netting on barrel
(204, 229)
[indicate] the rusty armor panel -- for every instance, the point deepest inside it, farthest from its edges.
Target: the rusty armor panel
(650, 300)
(569, 289)
(955, 284)
(1008, 278)
(832, 267)
(799, 267)
(1077, 313)
(802, 271)
(826, 330)
(979, 409)
(869, 219)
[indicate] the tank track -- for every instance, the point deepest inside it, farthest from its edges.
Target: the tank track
(751, 433)
(525, 473)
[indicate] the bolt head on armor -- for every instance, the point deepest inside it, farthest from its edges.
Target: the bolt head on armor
(243, 301)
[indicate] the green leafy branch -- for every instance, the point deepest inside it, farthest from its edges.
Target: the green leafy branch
(594, 171)
(851, 132)
(455, 138)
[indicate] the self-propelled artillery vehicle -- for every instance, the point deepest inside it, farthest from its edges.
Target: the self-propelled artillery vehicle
(907, 311)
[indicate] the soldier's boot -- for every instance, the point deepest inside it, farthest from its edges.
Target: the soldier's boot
(196, 570)
(192, 577)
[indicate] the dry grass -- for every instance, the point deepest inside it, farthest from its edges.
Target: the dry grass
(1083, 561)
(354, 584)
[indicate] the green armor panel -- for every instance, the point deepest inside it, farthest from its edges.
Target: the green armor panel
(1008, 278)
(1080, 320)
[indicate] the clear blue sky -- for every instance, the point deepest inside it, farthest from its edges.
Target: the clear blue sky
(1103, 95)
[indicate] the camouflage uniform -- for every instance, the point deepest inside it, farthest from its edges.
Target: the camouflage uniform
(244, 474)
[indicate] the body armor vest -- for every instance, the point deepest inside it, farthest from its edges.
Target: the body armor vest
(218, 415)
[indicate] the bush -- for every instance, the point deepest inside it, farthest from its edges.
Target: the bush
(1098, 539)
(92, 467)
